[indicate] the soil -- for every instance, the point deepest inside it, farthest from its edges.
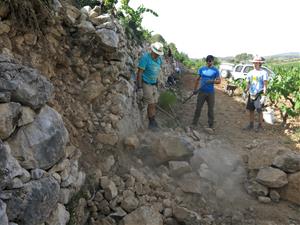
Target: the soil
(230, 117)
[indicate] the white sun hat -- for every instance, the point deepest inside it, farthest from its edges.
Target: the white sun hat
(157, 48)
(258, 58)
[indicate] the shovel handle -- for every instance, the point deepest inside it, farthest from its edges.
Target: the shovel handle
(188, 98)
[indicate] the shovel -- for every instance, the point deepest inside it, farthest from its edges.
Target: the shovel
(194, 93)
(188, 98)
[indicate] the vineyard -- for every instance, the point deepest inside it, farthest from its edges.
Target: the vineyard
(284, 90)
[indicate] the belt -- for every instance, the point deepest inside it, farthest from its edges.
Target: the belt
(254, 97)
(149, 83)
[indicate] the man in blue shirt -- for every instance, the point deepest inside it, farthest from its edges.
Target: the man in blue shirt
(208, 76)
(147, 78)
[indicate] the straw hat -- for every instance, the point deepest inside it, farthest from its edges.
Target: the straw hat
(258, 58)
(157, 48)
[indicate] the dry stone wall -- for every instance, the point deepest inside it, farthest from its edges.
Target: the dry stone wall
(66, 88)
(38, 165)
(91, 64)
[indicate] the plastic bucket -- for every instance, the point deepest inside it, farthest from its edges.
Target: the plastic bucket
(269, 117)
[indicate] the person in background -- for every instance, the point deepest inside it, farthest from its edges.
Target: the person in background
(147, 80)
(170, 55)
(171, 80)
(257, 80)
(208, 76)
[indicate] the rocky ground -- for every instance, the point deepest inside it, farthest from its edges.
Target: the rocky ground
(188, 176)
(231, 151)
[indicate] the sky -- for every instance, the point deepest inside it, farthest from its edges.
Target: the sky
(226, 27)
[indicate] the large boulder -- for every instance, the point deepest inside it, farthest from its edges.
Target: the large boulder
(59, 216)
(9, 113)
(191, 183)
(9, 166)
(109, 39)
(272, 177)
(32, 204)
(256, 189)
(264, 154)
(291, 191)
(186, 216)
(26, 85)
(177, 168)
(3, 216)
(72, 13)
(288, 162)
(143, 216)
(40, 144)
(168, 147)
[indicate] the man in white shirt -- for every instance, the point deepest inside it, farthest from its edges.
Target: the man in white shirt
(257, 80)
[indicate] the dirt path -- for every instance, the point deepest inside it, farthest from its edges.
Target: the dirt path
(230, 118)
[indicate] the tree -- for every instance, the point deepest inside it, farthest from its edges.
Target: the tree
(284, 91)
(132, 20)
(108, 5)
(159, 38)
(243, 58)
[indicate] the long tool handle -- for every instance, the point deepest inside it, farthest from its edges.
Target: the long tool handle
(188, 98)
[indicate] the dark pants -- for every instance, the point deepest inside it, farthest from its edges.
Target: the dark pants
(210, 99)
(254, 104)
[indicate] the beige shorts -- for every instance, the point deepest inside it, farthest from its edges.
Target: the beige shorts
(150, 94)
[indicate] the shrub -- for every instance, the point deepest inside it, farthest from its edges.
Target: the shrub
(167, 99)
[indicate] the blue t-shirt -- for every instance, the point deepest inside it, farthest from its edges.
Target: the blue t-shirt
(207, 73)
(151, 68)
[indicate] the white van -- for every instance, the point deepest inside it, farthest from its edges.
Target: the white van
(226, 69)
(240, 71)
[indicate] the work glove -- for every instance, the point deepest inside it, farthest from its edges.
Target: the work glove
(140, 94)
(195, 92)
(263, 100)
(244, 95)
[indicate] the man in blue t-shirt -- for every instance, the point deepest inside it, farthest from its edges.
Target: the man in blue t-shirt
(147, 78)
(208, 76)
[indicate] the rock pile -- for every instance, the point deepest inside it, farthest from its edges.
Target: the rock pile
(274, 173)
(140, 194)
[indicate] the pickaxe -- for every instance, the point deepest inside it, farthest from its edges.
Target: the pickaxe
(188, 98)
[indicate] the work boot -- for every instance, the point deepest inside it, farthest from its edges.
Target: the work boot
(153, 124)
(258, 128)
(249, 127)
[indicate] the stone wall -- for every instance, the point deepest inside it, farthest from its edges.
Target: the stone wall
(69, 86)
(38, 165)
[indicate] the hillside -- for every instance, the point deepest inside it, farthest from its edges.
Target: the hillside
(276, 57)
(283, 56)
